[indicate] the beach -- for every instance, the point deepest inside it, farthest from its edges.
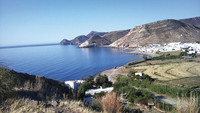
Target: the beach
(114, 72)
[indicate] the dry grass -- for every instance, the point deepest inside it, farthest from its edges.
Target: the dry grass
(168, 71)
(111, 103)
(187, 105)
(28, 106)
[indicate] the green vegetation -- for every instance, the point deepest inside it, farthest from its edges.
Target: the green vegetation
(136, 62)
(147, 82)
(14, 85)
(163, 57)
(20, 92)
(84, 87)
(172, 53)
(102, 80)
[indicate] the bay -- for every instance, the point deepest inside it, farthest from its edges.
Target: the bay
(64, 62)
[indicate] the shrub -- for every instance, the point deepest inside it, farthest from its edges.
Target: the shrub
(108, 84)
(101, 79)
(111, 103)
(84, 87)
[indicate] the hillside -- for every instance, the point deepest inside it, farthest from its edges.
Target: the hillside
(115, 35)
(95, 40)
(159, 32)
(21, 92)
(65, 42)
(82, 38)
(106, 39)
(92, 33)
(193, 21)
(79, 40)
(30, 86)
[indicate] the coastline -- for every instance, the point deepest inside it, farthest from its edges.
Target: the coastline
(112, 72)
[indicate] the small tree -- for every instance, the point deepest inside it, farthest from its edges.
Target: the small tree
(84, 87)
(89, 79)
(101, 79)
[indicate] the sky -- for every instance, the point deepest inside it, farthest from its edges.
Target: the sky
(25, 22)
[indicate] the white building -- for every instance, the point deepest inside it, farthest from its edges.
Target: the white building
(93, 91)
(74, 84)
(138, 73)
(174, 46)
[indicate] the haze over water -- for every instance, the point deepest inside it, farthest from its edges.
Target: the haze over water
(64, 62)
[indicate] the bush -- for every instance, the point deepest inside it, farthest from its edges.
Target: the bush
(90, 78)
(101, 79)
(111, 103)
(84, 87)
(108, 84)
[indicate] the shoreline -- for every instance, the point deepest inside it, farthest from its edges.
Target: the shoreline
(113, 71)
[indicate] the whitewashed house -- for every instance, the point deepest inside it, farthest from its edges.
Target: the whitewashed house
(74, 84)
(139, 73)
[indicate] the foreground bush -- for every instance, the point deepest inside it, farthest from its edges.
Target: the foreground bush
(111, 103)
(187, 105)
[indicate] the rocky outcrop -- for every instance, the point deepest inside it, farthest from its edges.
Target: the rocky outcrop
(94, 41)
(65, 42)
(79, 40)
(159, 32)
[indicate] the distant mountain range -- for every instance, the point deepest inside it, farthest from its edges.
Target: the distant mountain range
(160, 32)
(80, 39)
(106, 39)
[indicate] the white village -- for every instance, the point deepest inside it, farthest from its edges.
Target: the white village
(190, 48)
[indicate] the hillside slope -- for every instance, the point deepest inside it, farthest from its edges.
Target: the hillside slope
(82, 38)
(106, 39)
(159, 32)
(79, 40)
(24, 93)
(193, 21)
(95, 40)
(92, 33)
(65, 42)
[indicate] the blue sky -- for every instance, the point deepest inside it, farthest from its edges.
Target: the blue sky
(48, 21)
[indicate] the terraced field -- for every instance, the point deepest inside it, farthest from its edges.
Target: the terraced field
(175, 72)
(171, 71)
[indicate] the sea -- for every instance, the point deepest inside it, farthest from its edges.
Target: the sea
(64, 62)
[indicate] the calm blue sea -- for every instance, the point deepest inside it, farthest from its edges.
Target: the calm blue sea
(64, 62)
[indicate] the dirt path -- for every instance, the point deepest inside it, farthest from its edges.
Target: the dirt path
(166, 99)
